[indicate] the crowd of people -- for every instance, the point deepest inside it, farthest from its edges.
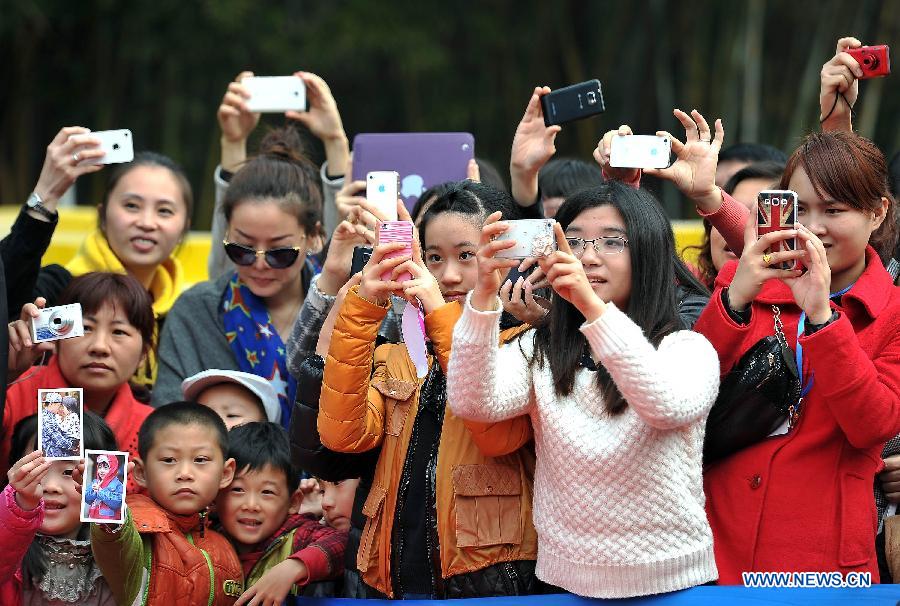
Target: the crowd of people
(283, 442)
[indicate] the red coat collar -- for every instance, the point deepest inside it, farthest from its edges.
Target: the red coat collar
(148, 516)
(872, 292)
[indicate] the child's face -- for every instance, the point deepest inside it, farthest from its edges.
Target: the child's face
(235, 404)
(337, 502)
(106, 356)
(62, 501)
(102, 470)
(185, 468)
(255, 505)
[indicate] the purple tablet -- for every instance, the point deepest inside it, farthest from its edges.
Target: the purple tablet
(422, 159)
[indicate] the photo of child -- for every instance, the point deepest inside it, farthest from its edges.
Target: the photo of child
(103, 495)
(60, 414)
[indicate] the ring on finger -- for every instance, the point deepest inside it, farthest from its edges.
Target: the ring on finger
(75, 157)
(767, 259)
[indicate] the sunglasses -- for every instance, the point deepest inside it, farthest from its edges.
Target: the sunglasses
(277, 258)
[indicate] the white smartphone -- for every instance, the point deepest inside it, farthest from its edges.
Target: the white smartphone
(382, 190)
(640, 151)
(534, 238)
(116, 145)
(275, 94)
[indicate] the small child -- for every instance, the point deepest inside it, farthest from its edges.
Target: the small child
(164, 553)
(280, 550)
(104, 495)
(337, 502)
(237, 397)
(46, 552)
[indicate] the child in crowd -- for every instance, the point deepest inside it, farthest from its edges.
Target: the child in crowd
(46, 556)
(337, 502)
(237, 397)
(118, 332)
(60, 428)
(104, 495)
(164, 553)
(280, 550)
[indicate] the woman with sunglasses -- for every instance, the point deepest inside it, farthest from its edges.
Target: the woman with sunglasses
(241, 320)
(617, 395)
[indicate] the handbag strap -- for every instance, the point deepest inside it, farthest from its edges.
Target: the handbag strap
(790, 362)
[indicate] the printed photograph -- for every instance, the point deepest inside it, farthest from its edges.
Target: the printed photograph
(60, 423)
(103, 493)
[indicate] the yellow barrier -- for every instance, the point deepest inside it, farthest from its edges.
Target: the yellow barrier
(76, 223)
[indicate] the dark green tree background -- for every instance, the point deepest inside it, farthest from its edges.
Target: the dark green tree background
(160, 69)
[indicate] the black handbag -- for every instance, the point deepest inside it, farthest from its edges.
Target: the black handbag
(755, 397)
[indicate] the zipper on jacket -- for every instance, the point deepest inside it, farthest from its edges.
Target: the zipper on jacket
(513, 578)
(209, 567)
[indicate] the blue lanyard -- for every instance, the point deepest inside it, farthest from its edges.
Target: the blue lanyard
(804, 389)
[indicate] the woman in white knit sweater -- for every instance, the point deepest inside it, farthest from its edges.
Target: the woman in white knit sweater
(617, 394)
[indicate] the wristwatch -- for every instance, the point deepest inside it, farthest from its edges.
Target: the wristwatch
(36, 204)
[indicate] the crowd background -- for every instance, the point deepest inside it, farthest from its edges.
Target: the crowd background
(157, 68)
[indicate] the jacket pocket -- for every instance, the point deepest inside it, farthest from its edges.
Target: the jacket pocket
(398, 394)
(857, 540)
(488, 505)
(372, 509)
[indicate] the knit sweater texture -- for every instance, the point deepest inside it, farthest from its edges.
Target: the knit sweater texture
(618, 500)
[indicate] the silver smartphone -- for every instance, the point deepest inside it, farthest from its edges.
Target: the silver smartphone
(534, 238)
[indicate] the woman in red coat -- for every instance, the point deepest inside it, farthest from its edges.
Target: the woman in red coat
(802, 500)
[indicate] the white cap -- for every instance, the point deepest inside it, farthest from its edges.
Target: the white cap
(194, 385)
(52, 397)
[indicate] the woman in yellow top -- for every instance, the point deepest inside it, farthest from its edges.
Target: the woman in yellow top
(143, 217)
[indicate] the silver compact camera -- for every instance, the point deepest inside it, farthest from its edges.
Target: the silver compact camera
(55, 323)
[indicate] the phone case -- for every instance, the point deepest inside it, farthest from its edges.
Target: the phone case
(573, 103)
(777, 211)
(875, 61)
(534, 238)
(117, 146)
(396, 231)
(640, 151)
(382, 189)
(275, 94)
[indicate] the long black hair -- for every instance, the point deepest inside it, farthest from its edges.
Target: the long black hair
(653, 301)
(97, 436)
(468, 198)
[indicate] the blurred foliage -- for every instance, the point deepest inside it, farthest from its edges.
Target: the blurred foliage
(160, 69)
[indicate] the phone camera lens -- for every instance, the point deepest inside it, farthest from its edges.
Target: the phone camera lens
(115, 146)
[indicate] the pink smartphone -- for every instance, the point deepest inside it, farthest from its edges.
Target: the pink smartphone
(396, 231)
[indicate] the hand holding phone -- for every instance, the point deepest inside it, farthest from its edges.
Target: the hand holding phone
(396, 231)
(116, 145)
(875, 61)
(640, 151)
(534, 238)
(777, 211)
(361, 256)
(573, 103)
(275, 94)
(382, 190)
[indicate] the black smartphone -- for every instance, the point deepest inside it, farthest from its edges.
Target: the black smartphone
(361, 256)
(573, 103)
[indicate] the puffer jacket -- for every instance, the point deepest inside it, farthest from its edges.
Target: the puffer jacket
(158, 557)
(483, 522)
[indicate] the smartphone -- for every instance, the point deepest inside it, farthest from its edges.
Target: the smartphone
(382, 190)
(275, 94)
(116, 145)
(875, 61)
(777, 211)
(534, 238)
(396, 231)
(573, 103)
(361, 256)
(640, 151)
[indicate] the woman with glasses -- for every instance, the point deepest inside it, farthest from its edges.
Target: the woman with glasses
(617, 394)
(241, 320)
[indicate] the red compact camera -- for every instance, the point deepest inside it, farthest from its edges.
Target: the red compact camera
(875, 61)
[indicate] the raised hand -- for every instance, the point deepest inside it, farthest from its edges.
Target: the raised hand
(22, 351)
(694, 169)
(839, 76)
(236, 122)
(533, 145)
(25, 477)
(519, 299)
(66, 160)
(602, 153)
(567, 278)
(812, 289)
(491, 269)
(323, 120)
(423, 285)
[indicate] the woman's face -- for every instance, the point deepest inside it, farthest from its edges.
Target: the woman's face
(146, 216)
(106, 356)
(450, 253)
(844, 230)
(609, 274)
(745, 193)
(262, 226)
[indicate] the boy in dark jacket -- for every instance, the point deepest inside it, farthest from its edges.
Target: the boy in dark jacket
(280, 550)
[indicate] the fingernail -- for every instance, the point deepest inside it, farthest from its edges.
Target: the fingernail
(27, 342)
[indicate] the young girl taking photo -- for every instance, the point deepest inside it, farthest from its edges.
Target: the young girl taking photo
(617, 395)
(47, 555)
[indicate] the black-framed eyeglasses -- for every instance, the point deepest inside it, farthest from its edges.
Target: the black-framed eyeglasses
(277, 258)
(604, 245)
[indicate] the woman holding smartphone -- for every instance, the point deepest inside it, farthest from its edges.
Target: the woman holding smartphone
(448, 514)
(617, 396)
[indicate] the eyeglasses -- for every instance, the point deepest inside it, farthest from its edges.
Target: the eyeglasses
(604, 245)
(277, 258)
